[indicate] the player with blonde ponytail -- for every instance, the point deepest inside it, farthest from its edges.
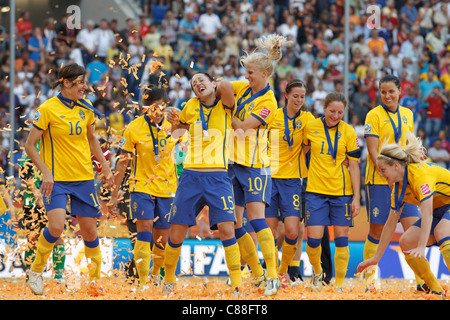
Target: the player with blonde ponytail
(254, 110)
(421, 183)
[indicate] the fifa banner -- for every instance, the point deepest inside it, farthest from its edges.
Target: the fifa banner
(206, 258)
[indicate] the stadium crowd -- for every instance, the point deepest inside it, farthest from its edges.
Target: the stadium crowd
(174, 39)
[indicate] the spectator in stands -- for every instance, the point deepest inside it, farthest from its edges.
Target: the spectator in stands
(105, 39)
(87, 39)
(209, 25)
(435, 112)
(408, 14)
(438, 155)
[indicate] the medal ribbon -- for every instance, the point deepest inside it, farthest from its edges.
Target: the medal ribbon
(287, 132)
(397, 131)
(241, 104)
(205, 122)
(399, 198)
(336, 138)
(155, 141)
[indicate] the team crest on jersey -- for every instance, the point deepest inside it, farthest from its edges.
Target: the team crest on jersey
(252, 105)
(82, 115)
(298, 124)
(37, 115)
(368, 128)
(405, 120)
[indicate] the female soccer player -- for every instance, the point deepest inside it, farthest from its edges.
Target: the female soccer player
(65, 126)
(255, 109)
(420, 183)
(286, 159)
(152, 183)
(34, 217)
(389, 123)
(204, 180)
(332, 193)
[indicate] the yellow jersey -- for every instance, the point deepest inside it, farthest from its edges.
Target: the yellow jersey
(388, 127)
(208, 134)
(327, 174)
(64, 145)
(423, 181)
(153, 169)
(285, 148)
(251, 148)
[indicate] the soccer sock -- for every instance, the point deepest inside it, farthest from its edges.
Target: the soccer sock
(158, 259)
(267, 245)
(287, 253)
(314, 251)
(370, 247)
(422, 268)
(233, 259)
(44, 247)
(171, 260)
(277, 262)
(248, 252)
(92, 251)
(341, 257)
(59, 259)
(143, 255)
(444, 245)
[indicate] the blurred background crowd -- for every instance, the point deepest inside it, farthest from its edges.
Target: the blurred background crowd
(172, 40)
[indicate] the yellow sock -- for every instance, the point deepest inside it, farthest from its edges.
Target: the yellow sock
(158, 259)
(341, 257)
(142, 256)
(422, 268)
(43, 250)
(172, 256)
(233, 259)
(370, 247)
(92, 251)
(314, 257)
(445, 251)
(287, 254)
(267, 245)
(248, 252)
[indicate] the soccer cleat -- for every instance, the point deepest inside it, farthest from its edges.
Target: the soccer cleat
(423, 288)
(168, 287)
(316, 282)
(156, 280)
(285, 281)
(272, 286)
(35, 282)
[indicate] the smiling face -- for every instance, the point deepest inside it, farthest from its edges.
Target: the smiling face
(389, 94)
(296, 98)
(202, 86)
(334, 112)
(155, 111)
(75, 90)
(255, 77)
(392, 174)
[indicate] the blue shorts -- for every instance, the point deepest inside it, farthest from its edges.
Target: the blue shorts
(323, 210)
(438, 215)
(250, 184)
(197, 189)
(379, 205)
(286, 199)
(146, 206)
(83, 198)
